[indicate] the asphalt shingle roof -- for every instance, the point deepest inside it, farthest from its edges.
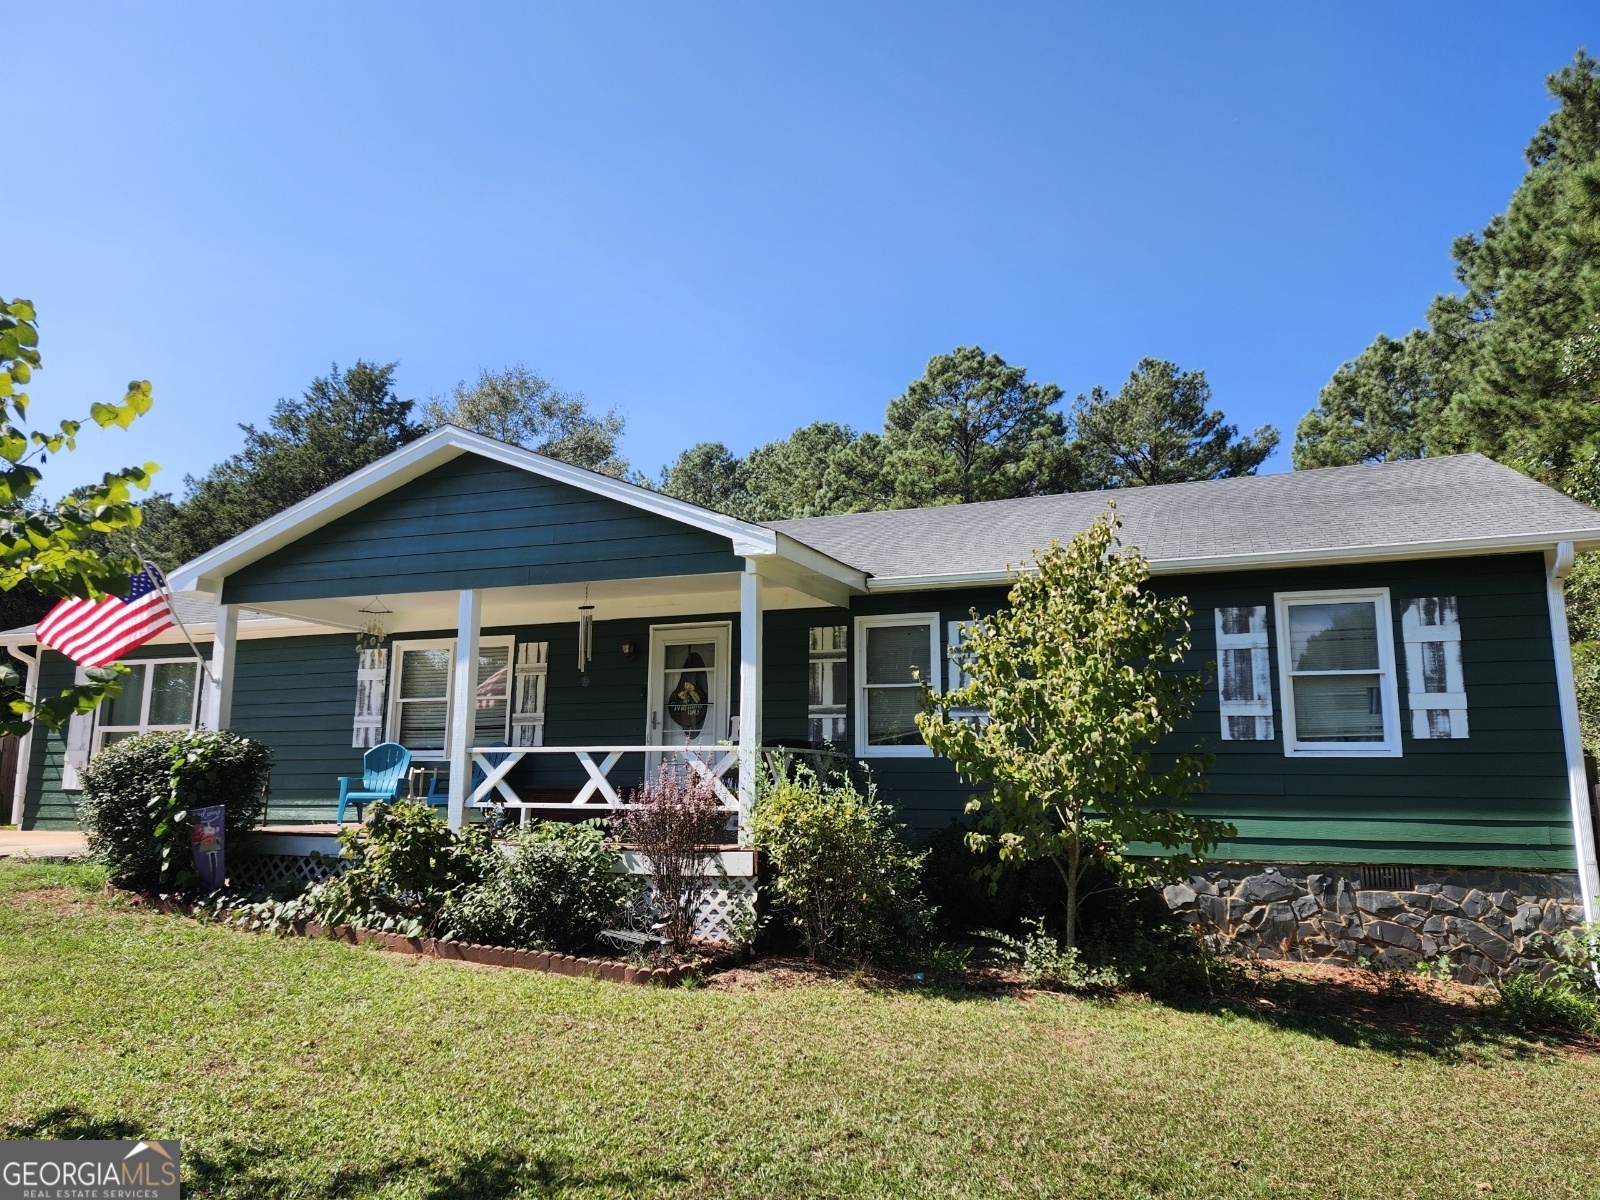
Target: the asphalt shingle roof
(1349, 509)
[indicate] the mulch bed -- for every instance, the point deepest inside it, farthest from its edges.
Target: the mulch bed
(550, 962)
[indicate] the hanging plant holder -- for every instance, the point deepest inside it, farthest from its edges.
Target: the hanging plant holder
(373, 634)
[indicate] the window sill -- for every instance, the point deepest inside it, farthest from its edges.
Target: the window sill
(895, 752)
(1340, 752)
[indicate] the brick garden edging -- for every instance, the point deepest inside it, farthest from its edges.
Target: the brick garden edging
(550, 962)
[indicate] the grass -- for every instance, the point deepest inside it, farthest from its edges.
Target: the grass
(296, 1068)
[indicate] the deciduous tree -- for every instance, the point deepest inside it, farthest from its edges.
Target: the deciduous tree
(54, 550)
(1077, 681)
(520, 406)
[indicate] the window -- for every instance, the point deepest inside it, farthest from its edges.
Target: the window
(896, 658)
(830, 685)
(424, 673)
(1336, 654)
(157, 694)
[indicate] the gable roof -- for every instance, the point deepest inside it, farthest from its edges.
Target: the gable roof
(448, 442)
(1461, 504)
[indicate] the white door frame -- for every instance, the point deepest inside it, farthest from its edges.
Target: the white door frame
(720, 634)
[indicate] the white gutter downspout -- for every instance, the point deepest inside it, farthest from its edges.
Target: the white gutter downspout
(1559, 567)
(19, 786)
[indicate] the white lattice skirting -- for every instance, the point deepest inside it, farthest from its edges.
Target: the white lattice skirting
(250, 871)
(722, 907)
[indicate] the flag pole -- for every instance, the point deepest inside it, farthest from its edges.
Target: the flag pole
(160, 577)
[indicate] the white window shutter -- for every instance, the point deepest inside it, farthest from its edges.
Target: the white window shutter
(372, 677)
(1244, 674)
(80, 739)
(528, 698)
(1437, 693)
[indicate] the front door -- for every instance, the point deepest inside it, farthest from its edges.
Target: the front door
(689, 687)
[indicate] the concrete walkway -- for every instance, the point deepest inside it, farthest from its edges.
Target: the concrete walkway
(43, 843)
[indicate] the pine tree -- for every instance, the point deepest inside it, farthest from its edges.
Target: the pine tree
(1157, 429)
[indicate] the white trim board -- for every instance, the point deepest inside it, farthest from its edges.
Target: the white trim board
(1389, 694)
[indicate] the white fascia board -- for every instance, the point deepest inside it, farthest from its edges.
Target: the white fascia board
(1584, 539)
(206, 572)
(815, 562)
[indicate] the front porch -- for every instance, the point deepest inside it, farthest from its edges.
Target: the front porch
(537, 636)
(560, 718)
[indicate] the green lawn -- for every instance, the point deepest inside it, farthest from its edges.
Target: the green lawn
(298, 1068)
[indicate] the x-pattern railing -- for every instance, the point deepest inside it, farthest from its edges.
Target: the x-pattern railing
(710, 763)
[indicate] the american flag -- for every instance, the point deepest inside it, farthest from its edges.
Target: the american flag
(95, 633)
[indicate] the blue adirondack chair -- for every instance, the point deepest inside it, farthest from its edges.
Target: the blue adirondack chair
(383, 777)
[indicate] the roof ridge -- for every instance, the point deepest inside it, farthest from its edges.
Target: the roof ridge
(1113, 492)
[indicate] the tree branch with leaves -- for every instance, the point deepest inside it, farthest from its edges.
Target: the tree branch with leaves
(1071, 688)
(56, 547)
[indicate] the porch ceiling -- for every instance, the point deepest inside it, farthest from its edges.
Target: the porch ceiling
(545, 604)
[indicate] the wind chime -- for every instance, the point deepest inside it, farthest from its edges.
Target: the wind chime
(585, 634)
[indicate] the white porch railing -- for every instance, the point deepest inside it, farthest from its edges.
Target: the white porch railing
(710, 763)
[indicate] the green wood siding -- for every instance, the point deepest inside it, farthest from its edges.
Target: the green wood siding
(473, 523)
(299, 696)
(1498, 798)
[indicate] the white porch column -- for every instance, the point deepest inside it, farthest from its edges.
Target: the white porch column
(1559, 566)
(751, 622)
(218, 708)
(464, 706)
(30, 691)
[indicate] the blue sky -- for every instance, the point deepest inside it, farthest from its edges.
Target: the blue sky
(729, 220)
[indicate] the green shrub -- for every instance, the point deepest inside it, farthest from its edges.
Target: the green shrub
(1043, 960)
(1529, 1002)
(554, 890)
(137, 793)
(841, 871)
(1566, 995)
(404, 862)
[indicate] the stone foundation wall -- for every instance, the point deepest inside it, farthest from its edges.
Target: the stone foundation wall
(1489, 922)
